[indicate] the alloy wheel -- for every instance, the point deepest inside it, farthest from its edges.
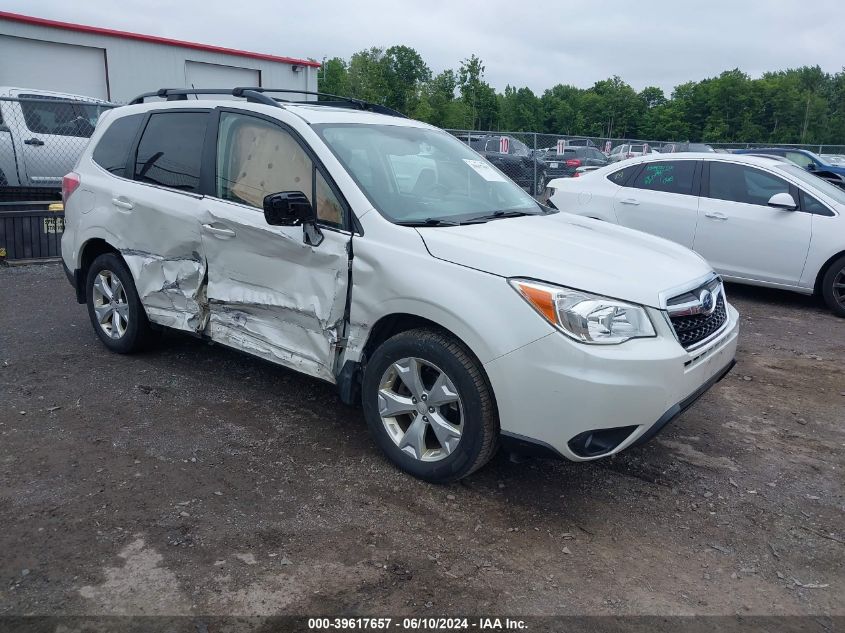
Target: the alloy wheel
(110, 304)
(420, 409)
(839, 288)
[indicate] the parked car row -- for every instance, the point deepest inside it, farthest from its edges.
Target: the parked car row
(756, 219)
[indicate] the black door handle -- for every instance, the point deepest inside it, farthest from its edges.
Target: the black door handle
(33, 141)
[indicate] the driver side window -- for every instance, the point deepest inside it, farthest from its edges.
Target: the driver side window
(740, 183)
(256, 158)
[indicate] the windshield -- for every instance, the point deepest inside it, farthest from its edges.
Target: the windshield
(831, 191)
(421, 175)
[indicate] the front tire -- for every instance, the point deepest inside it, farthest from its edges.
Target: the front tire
(114, 307)
(429, 407)
(833, 287)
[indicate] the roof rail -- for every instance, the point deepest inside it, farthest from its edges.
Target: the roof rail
(181, 94)
(258, 95)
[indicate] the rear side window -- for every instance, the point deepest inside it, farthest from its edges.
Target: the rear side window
(113, 149)
(170, 150)
(669, 176)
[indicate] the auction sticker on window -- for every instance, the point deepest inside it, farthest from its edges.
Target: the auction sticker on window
(485, 171)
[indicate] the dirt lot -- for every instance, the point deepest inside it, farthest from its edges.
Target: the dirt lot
(192, 479)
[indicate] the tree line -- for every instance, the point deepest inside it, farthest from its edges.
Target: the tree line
(800, 105)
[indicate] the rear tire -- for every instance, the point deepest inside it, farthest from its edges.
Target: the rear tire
(116, 312)
(451, 407)
(833, 287)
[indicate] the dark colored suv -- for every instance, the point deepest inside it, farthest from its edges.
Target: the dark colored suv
(516, 162)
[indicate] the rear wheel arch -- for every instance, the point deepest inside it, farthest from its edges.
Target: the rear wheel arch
(817, 288)
(89, 252)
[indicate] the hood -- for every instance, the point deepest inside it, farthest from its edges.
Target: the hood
(571, 251)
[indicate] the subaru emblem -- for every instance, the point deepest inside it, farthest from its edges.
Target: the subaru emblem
(706, 301)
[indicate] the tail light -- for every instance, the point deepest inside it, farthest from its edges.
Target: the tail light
(573, 162)
(70, 183)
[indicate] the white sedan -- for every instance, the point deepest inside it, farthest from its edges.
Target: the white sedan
(756, 220)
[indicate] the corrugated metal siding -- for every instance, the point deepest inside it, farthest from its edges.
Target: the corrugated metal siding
(138, 66)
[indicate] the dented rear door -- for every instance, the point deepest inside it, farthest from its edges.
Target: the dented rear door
(155, 217)
(269, 293)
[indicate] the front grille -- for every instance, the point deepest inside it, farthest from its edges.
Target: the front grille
(695, 328)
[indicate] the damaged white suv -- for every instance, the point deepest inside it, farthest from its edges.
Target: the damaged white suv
(379, 253)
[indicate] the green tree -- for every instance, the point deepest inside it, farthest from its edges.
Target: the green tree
(477, 94)
(798, 105)
(368, 76)
(405, 73)
(334, 77)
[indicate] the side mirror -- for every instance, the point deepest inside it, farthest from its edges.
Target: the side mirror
(288, 208)
(783, 201)
(811, 167)
(292, 208)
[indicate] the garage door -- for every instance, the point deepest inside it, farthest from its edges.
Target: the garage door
(79, 70)
(203, 75)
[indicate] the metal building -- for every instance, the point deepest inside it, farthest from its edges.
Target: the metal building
(117, 65)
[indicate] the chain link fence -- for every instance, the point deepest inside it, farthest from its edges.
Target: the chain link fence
(531, 159)
(41, 137)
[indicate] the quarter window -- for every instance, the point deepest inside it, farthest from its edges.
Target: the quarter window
(740, 183)
(170, 150)
(256, 158)
(113, 148)
(668, 176)
(811, 205)
(621, 176)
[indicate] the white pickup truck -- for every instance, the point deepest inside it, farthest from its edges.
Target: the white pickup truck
(42, 134)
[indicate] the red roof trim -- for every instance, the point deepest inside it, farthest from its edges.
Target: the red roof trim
(81, 28)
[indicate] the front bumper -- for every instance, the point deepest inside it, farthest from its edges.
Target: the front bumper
(554, 391)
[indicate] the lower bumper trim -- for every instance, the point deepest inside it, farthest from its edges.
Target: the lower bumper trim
(682, 406)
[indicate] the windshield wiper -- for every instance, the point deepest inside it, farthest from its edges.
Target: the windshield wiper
(497, 215)
(429, 222)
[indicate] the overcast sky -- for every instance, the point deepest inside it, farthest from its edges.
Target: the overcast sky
(530, 43)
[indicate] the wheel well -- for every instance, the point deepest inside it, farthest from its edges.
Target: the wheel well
(92, 250)
(350, 377)
(393, 324)
(823, 271)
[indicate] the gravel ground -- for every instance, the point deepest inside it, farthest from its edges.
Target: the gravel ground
(195, 480)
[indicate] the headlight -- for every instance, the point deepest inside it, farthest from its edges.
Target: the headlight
(586, 317)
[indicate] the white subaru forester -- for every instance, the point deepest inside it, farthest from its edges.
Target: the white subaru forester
(381, 254)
